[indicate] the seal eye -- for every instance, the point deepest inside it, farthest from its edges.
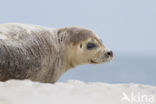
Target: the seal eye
(91, 46)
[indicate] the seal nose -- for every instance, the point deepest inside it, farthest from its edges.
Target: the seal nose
(109, 53)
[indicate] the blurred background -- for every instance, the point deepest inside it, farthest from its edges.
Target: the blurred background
(128, 27)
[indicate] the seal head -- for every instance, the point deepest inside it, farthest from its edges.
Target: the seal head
(84, 47)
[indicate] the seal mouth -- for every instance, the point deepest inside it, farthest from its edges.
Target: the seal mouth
(93, 62)
(100, 60)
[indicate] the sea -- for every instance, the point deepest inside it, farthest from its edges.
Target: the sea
(140, 69)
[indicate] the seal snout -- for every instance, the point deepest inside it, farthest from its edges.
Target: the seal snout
(109, 54)
(105, 57)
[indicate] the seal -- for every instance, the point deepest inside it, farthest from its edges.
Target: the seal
(44, 54)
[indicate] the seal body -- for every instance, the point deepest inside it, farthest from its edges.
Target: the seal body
(43, 54)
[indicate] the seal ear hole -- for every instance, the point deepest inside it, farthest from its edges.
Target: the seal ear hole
(80, 45)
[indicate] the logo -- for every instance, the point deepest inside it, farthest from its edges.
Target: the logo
(138, 98)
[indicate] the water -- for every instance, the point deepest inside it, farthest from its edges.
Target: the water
(123, 69)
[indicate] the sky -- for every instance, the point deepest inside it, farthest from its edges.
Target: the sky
(126, 26)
